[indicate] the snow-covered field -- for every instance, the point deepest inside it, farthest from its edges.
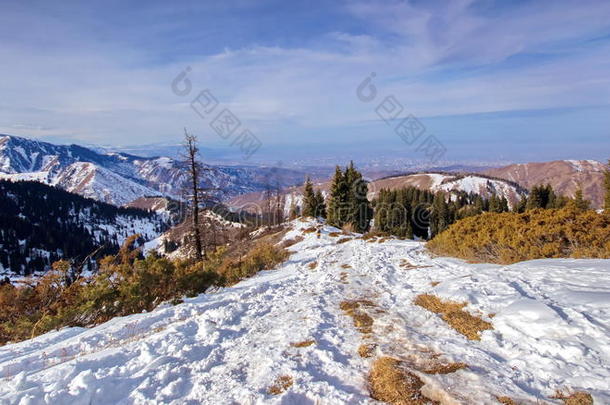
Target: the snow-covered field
(551, 330)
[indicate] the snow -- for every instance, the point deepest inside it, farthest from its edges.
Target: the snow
(41, 177)
(551, 330)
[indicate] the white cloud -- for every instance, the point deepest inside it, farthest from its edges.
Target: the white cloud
(436, 60)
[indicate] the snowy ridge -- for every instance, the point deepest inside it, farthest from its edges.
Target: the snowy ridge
(119, 178)
(550, 331)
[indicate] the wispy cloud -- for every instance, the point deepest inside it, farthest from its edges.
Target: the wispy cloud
(102, 74)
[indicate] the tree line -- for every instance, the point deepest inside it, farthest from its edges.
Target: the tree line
(412, 212)
(40, 224)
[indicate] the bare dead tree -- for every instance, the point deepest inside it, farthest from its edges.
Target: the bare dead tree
(191, 153)
(279, 203)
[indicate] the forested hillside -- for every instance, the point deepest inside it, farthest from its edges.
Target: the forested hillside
(40, 224)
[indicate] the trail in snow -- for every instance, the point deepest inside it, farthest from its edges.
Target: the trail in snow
(551, 330)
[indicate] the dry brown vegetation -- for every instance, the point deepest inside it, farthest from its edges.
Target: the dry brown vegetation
(453, 313)
(126, 284)
(574, 397)
(407, 265)
(390, 382)
(362, 321)
(444, 368)
(541, 233)
(304, 343)
(366, 350)
(434, 283)
(334, 234)
(312, 265)
(281, 384)
(310, 230)
(289, 242)
(343, 240)
(374, 235)
(346, 266)
(506, 400)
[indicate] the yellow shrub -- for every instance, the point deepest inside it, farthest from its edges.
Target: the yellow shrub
(511, 237)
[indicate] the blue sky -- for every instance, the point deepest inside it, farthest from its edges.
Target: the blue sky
(521, 80)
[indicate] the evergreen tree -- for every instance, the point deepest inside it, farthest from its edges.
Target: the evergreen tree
(309, 200)
(504, 204)
(534, 200)
(579, 200)
(359, 210)
(440, 214)
(335, 212)
(320, 204)
(495, 204)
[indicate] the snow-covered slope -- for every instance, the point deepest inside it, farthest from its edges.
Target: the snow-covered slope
(41, 224)
(119, 178)
(551, 330)
(469, 183)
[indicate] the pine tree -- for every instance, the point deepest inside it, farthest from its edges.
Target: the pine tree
(494, 204)
(535, 199)
(309, 200)
(337, 200)
(504, 204)
(440, 214)
(320, 204)
(579, 200)
(359, 210)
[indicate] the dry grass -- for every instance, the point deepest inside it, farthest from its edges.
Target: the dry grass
(373, 235)
(506, 401)
(362, 321)
(343, 240)
(407, 265)
(346, 266)
(312, 265)
(366, 350)
(281, 384)
(453, 313)
(310, 230)
(390, 382)
(304, 343)
(444, 368)
(343, 277)
(289, 242)
(434, 283)
(334, 234)
(574, 397)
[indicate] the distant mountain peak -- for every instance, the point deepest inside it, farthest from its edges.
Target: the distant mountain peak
(118, 177)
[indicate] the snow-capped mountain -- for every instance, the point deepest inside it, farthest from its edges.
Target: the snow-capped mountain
(119, 178)
(476, 183)
(566, 176)
(471, 183)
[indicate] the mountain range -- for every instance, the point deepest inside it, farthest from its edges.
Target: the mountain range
(119, 178)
